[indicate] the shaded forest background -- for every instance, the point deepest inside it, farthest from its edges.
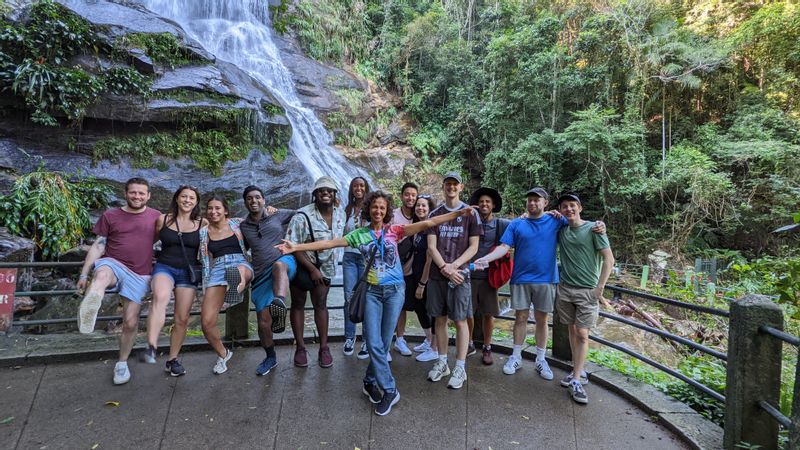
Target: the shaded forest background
(677, 121)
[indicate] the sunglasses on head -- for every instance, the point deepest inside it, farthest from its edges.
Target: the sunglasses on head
(425, 196)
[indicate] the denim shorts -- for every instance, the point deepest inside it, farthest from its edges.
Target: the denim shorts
(131, 285)
(219, 265)
(180, 276)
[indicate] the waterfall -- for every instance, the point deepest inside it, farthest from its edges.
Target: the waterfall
(238, 32)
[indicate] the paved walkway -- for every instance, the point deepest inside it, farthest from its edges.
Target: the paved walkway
(57, 406)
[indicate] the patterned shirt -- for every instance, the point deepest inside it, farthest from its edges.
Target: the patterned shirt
(298, 232)
(386, 269)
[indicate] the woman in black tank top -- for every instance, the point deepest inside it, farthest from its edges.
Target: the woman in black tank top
(179, 233)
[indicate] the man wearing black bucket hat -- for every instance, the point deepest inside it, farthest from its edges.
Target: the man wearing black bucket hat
(484, 297)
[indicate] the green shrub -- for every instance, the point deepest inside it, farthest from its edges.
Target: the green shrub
(162, 48)
(51, 210)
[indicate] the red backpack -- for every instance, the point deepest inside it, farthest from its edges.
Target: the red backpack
(500, 269)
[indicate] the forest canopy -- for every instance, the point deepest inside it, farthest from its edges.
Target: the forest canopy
(677, 121)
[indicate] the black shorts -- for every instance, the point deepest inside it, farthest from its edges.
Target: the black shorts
(411, 302)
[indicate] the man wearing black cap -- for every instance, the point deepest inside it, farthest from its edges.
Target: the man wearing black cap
(484, 297)
(535, 275)
(582, 254)
(451, 245)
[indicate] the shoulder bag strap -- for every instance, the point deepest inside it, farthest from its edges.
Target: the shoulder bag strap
(183, 249)
(311, 232)
(371, 259)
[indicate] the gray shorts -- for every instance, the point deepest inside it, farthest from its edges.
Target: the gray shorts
(541, 296)
(455, 303)
(577, 306)
(131, 285)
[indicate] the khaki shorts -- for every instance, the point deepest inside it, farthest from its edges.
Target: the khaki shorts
(577, 306)
(484, 298)
(541, 296)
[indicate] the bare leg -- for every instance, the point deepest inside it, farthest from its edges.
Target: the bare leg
(265, 328)
(462, 339)
(297, 315)
(130, 324)
(441, 334)
(520, 326)
(162, 286)
(184, 297)
(541, 328)
(280, 279)
(319, 299)
(401, 324)
(245, 275)
(212, 303)
(470, 327)
(488, 328)
(580, 349)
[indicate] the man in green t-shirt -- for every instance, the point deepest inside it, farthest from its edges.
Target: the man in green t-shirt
(586, 263)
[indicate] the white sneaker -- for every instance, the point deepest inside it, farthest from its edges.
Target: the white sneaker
(544, 369)
(363, 353)
(428, 355)
(401, 346)
(512, 365)
(87, 313)
(221, 366)
(424, 347)
(349, 345)
(567, 379)
(439, 370)
(121, 373)
(458, 378)
(388, 356)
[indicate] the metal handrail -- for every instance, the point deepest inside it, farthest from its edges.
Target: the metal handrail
(669, 301)
(775, 413)
(779, 334)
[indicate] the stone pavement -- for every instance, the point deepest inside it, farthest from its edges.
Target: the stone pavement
(67, 405)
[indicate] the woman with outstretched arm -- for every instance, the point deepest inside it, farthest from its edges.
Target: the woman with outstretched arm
(386, 292)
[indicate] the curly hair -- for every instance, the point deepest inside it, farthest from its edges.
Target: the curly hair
(371, 197)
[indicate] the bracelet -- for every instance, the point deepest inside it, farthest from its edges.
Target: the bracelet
(83, 277)
(442, 266)
(422, 284)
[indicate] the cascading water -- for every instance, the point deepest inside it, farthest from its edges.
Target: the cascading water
(238, 32)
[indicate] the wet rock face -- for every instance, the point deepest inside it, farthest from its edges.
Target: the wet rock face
(18, 249)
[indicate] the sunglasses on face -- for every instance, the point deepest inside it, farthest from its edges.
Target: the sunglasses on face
(326, 191)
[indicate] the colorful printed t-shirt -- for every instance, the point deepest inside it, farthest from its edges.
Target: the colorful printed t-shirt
(386, 269)
(452, 238)
(398, 218)
(129, 237)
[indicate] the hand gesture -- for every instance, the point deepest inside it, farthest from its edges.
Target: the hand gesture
(420, 290)
(599, 227)
(271, 210)
(81, 285)
(287, 248)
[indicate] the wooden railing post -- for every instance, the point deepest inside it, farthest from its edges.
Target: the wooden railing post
(754, 373)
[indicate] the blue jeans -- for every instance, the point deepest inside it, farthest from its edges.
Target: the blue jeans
(352, 268)
(380, 319)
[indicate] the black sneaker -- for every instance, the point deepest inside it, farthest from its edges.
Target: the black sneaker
(385, 406)
(175, 368)
(149, 355)
(578, 394)
(471, 350)
(372, 391)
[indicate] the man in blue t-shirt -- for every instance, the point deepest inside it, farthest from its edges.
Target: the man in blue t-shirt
(535, 274)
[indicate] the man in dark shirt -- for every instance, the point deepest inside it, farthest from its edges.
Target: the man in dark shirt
(262, 232)
(451, 246)
(484, 297)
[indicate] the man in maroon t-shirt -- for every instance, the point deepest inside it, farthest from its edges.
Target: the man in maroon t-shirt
(451, 246)
(122, 256)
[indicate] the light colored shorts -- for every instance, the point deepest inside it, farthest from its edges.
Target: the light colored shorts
(541, 296)
(219, 265)
(131, 285)
(577, 306)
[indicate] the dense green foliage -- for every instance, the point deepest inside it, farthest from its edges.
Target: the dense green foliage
(676, 121)
(36, 65)
(51, 210)
(162, 48)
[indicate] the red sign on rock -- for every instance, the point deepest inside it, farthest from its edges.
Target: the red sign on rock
(8, 285)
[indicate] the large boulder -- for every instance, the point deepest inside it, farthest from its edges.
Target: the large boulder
(18, 249)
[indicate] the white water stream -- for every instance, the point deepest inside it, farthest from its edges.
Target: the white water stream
(238, 31)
